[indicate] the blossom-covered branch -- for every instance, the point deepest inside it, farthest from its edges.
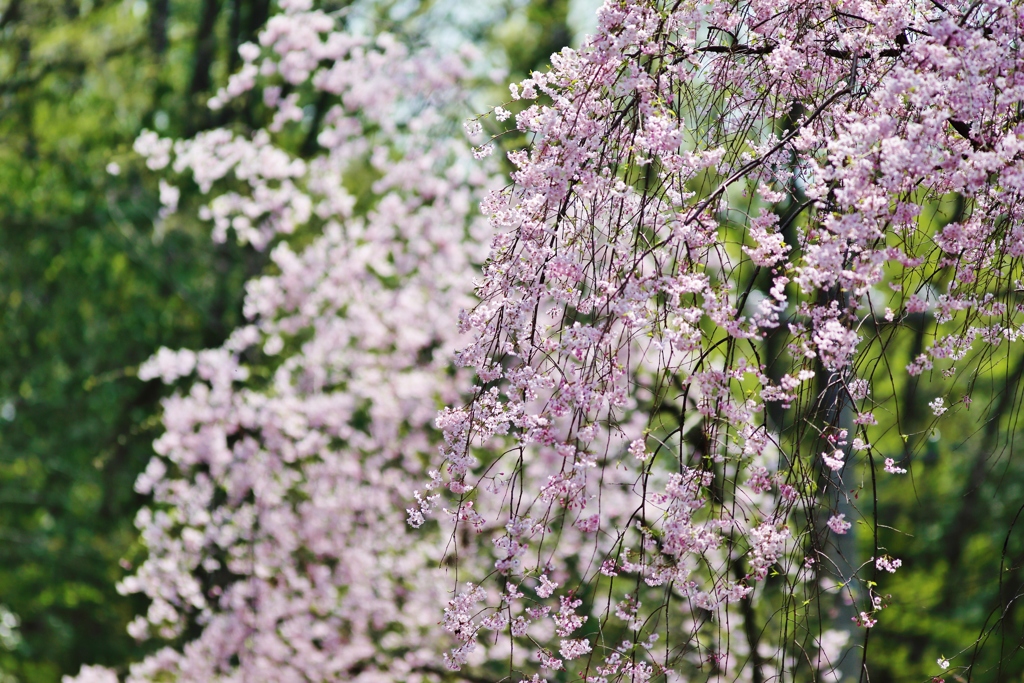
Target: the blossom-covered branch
(727, 216)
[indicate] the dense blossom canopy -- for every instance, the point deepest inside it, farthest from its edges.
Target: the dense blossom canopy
(727, 212)
(282, 480)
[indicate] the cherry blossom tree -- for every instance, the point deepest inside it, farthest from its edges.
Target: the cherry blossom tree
(735, 230)
(730, 219)
(278, 548)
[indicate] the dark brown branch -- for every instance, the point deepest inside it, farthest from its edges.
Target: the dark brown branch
(964, 131)
(901, 42)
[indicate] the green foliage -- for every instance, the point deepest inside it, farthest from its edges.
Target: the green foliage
(91, 284)
(954, 520)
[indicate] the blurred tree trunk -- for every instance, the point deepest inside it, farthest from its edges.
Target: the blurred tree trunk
(202, 61)
(159, 13)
